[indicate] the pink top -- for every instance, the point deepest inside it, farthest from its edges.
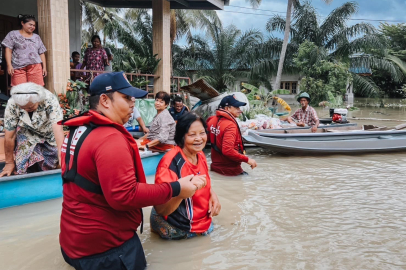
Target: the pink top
(95, 59)
(26, 51)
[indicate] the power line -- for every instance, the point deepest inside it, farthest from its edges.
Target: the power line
(258, 9)
(269, 15)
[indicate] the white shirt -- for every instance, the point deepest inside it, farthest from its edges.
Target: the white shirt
(136, 114)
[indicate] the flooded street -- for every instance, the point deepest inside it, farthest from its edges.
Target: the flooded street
(292, 212)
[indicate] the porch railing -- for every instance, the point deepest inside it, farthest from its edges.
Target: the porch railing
(176, 82)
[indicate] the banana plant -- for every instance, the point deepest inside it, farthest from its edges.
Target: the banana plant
(260, 97)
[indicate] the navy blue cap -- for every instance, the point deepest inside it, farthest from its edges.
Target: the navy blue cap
(231, 101)
(114, 81)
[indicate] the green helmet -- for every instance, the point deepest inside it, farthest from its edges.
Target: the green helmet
(303, 95)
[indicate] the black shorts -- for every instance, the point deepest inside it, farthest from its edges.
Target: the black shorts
(128, 256)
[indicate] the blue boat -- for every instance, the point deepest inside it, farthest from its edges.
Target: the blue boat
(35, 187)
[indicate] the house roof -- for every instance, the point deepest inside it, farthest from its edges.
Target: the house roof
(175, 4)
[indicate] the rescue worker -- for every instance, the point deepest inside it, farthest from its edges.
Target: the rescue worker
(227, 148)
(178, 108)
(104, 183)
(305, 116)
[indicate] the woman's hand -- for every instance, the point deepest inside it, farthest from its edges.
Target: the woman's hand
(44, 72)
(146, 130)
(10, 70)
(8, 169)
(214, 204)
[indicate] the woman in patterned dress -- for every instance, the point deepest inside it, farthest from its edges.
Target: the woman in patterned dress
(95, 58)
(31, 130)
(25, 53)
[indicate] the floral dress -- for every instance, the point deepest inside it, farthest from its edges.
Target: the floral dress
(35, 141)
(95, 59)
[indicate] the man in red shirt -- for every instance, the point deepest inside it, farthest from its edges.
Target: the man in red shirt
(104, 182)
(227, 148)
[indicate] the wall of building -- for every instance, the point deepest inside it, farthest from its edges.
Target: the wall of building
(75, 25)
(15, 7)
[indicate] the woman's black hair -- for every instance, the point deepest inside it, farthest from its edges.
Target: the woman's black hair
(164, 96)
(183, 126)
(94, 37)
(25, 18)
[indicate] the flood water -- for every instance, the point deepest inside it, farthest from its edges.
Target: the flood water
(292, 212)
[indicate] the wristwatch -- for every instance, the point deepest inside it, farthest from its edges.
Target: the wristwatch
(146, 147)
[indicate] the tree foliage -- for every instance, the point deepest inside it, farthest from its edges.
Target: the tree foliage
(323, 79)
(357, 46)
(220, 58)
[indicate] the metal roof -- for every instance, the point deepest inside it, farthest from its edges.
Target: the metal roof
(175, 4)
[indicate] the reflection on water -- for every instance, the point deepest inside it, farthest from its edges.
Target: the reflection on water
(335, 212)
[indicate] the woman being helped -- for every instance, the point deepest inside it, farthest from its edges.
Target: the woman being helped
(178, 218)
(95, 58)
(24, 53)
(162, 128)
(31, 130)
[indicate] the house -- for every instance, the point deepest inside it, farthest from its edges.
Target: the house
(59, 26)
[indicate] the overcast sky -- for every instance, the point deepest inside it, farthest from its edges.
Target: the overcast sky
(393, 10)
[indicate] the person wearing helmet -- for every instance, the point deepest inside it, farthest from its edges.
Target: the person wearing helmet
(305, 116)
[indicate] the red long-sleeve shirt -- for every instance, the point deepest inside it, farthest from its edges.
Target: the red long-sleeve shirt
(229, 141)
(93, 223)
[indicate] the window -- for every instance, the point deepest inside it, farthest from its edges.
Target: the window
(292, 86)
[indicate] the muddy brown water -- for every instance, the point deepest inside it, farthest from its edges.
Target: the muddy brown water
(292, 212)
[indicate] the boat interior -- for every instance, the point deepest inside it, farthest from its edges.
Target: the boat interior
(333, 128)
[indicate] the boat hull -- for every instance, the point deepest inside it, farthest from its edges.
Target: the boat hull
(331, 143)
(35, 187)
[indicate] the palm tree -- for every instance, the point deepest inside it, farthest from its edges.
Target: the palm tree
(358, 45)
(221, 57)
(99, 19)
(291, 4)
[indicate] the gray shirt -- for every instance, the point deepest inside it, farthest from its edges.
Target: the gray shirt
(26, 51)
(162, 128)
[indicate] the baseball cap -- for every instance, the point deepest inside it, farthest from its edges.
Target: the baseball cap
(114, 81)
(231, 101)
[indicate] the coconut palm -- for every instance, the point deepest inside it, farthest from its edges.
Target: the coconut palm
(97, 19)
(222, 56)
(358, 45)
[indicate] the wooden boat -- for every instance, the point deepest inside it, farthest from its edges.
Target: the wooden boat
(35, 187)
(351, 140)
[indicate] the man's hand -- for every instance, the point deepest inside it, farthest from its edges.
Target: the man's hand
(214, 204)
(44, 72)
(314, 129)
(8, 169)
(10, 70)
(146, 130)
(300, 124)
(187, 188)
(252, 163)
(199, 181)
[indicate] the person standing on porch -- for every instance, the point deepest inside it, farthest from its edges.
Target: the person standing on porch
(96, 57)
(24, 53)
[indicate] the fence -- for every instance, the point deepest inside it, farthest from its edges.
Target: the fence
(139, 80)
